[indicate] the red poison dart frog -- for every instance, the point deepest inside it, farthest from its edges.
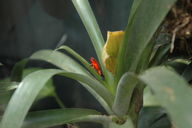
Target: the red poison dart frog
(96, 66)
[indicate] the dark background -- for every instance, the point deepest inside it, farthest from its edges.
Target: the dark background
(29, 25)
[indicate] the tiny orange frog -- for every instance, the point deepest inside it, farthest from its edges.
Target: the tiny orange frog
(96, 66)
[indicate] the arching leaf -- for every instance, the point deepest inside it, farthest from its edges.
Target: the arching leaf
(32, 84)
(172, 92)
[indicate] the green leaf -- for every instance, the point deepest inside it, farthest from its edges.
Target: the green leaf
(48, 89)
(149, 99)
(30, 87)
(124, 92)
(134, 8)
(145, 57)
(153, 117)
(50, 118)
(60, 60)
(172, 92)
(68, 64)
(160, 55)
(82, 60)
(141, 27)
(85, 12)
(23, 98)
(17, 72)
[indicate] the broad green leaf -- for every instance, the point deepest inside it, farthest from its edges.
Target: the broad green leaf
(7, 87)
(23, 98)
(135, 5)
(153, 117)
(85, 12)
(172, 92)
(54, 57)
(124, 92)
(30, 87)
(82, 60)
(141, 27)
(145, 57)
(60, 60)
(68, 64)
(149, 99)
(50, 118)
(19, 72)
(48, 89)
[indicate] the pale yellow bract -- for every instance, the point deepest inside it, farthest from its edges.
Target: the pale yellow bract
(111, 49)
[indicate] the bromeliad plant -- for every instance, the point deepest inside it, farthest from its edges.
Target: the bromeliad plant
(117, 80)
